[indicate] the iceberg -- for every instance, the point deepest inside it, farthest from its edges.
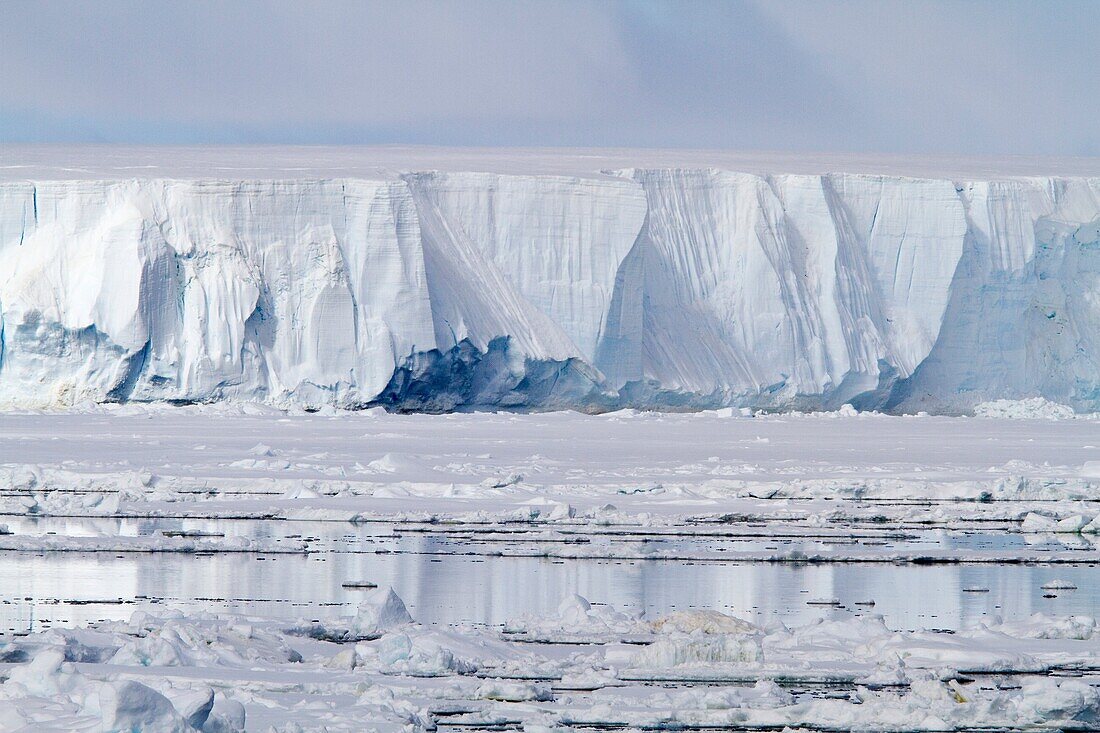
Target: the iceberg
(542, 283)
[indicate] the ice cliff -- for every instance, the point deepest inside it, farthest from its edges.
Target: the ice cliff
(659, 287)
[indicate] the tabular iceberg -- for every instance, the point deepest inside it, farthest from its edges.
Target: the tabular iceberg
(646, 287)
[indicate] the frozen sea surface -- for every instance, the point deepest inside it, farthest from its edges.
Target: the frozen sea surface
(174, 569)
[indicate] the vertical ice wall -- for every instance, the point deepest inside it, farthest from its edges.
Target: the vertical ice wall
(555, 242)
(782, 287)
(697, 286)
(1023, 315)
(193, 290)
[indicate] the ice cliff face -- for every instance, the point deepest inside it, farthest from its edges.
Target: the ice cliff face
(654, 287)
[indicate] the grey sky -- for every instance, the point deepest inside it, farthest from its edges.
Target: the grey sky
(966, 77)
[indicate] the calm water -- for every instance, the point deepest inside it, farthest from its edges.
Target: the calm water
(39, 591)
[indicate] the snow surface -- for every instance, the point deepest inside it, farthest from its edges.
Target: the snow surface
(428, 279)
(625, 467)
(74, 162)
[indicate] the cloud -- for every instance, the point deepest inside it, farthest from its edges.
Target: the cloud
(1000, 76)
(967, 77)
(332, 63)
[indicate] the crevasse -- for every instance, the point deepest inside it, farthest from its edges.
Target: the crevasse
(642, 287)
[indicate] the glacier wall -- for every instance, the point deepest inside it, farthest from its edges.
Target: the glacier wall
(643, 287)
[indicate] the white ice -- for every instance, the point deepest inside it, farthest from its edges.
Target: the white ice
(315, 278)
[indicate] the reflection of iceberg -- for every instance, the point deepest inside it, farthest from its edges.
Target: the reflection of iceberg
(494, 590)
(645, 286)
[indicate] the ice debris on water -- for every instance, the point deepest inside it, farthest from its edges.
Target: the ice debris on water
(380, 611)
(397, 678)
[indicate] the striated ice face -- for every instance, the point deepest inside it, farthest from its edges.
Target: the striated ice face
(643, 287)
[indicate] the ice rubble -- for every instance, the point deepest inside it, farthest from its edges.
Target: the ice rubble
(1029, 409)
(690, 287)
(381, 611)
(214, 674)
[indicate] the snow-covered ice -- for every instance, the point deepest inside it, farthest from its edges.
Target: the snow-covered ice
(169, 673)
(547, 571)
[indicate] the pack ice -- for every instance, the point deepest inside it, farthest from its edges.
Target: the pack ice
(582, 287)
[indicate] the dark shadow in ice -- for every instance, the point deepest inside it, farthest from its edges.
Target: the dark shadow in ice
(465, 377)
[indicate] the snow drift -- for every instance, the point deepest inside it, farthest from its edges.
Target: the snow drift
(654, 287)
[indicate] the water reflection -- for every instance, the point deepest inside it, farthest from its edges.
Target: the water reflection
(36, 589)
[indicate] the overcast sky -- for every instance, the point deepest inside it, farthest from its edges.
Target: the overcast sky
(876, 76)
